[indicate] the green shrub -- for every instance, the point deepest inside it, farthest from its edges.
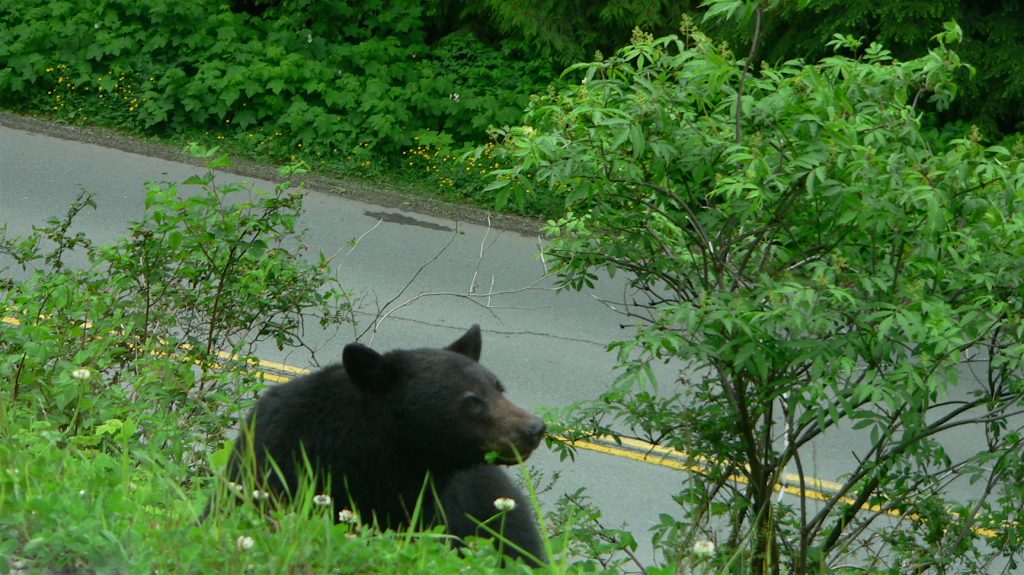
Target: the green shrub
(818, 271)
(160, 326)
(323, 81)
(993, 32)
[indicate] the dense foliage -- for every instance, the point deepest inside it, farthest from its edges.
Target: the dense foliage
(339, 85)
(404, 87)
(821, 274)
(572, 30)
(993, 34)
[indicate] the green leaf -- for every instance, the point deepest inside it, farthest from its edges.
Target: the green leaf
(221, 162)
(219, 459)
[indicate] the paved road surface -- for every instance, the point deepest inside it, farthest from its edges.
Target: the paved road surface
(547, 346)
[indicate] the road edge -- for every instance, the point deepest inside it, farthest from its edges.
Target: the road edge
(376, 193)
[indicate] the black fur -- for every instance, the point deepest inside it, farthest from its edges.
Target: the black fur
(378, 425)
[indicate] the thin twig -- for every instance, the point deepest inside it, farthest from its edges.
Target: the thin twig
(354, 243)
(758, 10)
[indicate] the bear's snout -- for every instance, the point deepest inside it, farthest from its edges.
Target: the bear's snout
(535, 431)
(531, 432)
(517, 434)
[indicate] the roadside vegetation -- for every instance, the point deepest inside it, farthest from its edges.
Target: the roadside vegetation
(124, 365)
(401, 90)
(822, 273)
(824, 233)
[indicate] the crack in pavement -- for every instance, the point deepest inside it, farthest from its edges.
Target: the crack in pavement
(602, 345)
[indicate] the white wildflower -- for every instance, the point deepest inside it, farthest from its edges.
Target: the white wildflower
(347, 516)
(504, 504)
(322, 500)
(81, 373)
(703, 548)
(244, 542)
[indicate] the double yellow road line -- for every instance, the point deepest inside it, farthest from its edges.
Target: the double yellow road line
(624, 447)
(642, 451)
(629, 448)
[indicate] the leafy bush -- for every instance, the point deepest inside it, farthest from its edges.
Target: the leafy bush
(818, 271)
(572, 30)
(159, 327)
(327, 81)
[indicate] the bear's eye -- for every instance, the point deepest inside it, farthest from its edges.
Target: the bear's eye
(473, 402)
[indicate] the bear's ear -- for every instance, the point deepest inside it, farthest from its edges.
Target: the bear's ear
(362, 364)
(469, 344)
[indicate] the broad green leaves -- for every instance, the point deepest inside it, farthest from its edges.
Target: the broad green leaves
(311, 79)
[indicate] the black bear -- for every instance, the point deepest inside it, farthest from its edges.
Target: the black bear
(375, 427)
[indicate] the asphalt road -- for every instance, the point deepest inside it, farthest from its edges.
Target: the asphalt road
(548, 347)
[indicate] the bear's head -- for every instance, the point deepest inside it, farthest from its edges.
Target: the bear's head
(447, 410)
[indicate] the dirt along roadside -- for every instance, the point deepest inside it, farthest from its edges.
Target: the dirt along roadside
(380, 192)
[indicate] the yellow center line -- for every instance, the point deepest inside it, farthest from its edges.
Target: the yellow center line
(817, 489)
(271, 365)
(668, 452)
(629, 448)
(645, 452)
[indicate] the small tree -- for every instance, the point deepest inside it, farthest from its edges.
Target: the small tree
(817, 269)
